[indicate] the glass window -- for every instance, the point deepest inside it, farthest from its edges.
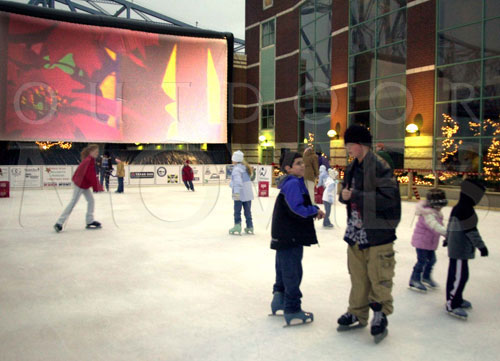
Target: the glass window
(359, 96)
(391, 92)
(306, 82)
(390, 123)
(491, 117)
(324, 27)
(459, 12)
(307, 36)
(460, 44)
(362, 67)
(323, 52)
(323, 77)
(392, 28)
(322, 105)
(362, 10)
(459, 81)
(306, 106)
(267, 118)
(391, 60)
(363, 37)
(492, 38)
(462, 115)
(458, 155)
(364, 119)
(491, 77)
(385, 6)
(307, 13)
(492, 8)
(491, 156)
(266, 4)
(307, 58)
(268, 33)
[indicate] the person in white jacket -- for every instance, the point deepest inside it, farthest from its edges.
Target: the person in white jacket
(330, 184)
(242, 195)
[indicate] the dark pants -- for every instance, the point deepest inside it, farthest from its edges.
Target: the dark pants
(426, 259)
(247, 210)
(328, 209)
(458, 274)
(289, 276)
(120, 185)
(189, 185)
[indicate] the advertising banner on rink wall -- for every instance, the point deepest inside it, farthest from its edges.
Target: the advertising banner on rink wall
(198, 173)
(167, 174)
(25, 176)
(142, 174)
(57, 175)
(214, 173)
(4, 174)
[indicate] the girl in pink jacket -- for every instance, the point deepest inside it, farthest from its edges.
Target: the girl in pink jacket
(426, 238)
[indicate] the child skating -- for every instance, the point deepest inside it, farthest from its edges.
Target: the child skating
(242, 194)
(188, 176)
(426, 239)
(330, 184)
(292, 229)
(462, 240)
(84, 178)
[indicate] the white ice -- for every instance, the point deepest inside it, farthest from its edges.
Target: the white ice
(163, 280)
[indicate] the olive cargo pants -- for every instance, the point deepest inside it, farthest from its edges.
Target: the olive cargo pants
(371, 271)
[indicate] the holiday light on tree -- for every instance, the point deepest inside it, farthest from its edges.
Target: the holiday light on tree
(449, 129)
(48, 145)
(491, 163)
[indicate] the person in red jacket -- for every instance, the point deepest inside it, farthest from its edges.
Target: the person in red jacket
(84, 178)
(188, 176)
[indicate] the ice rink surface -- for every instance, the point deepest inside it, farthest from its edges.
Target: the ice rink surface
(163, 280)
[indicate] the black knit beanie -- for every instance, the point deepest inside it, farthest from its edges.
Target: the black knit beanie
(358, 134)
(288, 158)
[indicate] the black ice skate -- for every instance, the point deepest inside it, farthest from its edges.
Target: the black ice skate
(416, 285)
(306, 317)
(58, 227)
(457, 312)
(430, 283)
(94, 225)
(379, 323)
(348, 322)
(466, 305)
(277, 304)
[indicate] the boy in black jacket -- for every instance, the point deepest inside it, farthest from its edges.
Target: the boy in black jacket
(292, 229)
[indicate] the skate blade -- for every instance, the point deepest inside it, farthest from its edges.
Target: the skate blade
(457, 316)
(276, 314)
(93, 227)
(342, 328)
(414, 289)
(299, 323)
(380, 336)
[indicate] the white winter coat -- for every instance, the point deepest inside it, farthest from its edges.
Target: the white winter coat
(241, 183)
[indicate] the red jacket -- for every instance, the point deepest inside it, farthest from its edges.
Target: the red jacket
(85, 176)
(187, 173)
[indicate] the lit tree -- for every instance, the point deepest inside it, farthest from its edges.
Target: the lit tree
(449, 129)
(491, 163)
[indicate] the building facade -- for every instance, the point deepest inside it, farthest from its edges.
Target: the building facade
(422, 75)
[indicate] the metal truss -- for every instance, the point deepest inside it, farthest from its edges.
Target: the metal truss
(120, 8)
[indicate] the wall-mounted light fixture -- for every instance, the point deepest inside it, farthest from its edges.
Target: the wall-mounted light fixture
(412, 128)
(332, 133)
(262, 138)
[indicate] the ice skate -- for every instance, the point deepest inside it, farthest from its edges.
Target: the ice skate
(348, 322)
(249, 230)
(466, 305)
(301, 315)
(430, 283)
(236, 229)
(379, 323)
(328, 225)
(94, 225)
(457, 312)
(277, 304)
(417, 286)
(58, 227)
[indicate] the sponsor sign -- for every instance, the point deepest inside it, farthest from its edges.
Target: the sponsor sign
(198, 173)
(167, 174)
(57, 176)
(4, 173)
(142, 174)
(27, 177)
(214, 173)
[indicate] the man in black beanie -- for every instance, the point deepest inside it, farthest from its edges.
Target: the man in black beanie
(371, 194)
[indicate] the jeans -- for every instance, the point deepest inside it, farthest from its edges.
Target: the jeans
(426, 259)
(247, 210)
(120, 185)
(328, 209)
(289, 276)
(189, 185)
(77, 192)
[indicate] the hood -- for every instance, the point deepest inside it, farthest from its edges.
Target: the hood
(282, 180)
(471, 192)
(422, 208)
(322, 170)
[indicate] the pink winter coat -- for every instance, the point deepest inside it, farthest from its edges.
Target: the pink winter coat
(429, 227)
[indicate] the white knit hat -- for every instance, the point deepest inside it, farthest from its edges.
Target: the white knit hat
(237, 156)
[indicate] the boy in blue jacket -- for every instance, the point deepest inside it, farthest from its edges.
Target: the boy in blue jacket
(292, 229)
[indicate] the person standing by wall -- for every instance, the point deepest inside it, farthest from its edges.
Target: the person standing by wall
(373, 202)
(311, 171)
(188, 176)
(120, 174)
(83, 179)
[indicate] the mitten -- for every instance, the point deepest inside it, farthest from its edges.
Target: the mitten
(484, 251)
(236, 196)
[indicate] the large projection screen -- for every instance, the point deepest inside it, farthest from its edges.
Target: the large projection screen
(66, 80)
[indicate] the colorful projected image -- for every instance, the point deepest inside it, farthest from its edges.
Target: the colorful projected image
(76, 82)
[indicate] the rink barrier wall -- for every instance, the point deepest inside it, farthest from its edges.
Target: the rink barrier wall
(59, 176)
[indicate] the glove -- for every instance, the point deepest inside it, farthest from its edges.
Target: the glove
(236, 196)
(484, 251)
(445, 242)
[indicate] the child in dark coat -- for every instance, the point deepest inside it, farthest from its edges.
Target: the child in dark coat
(462, 239)
(292, 229)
